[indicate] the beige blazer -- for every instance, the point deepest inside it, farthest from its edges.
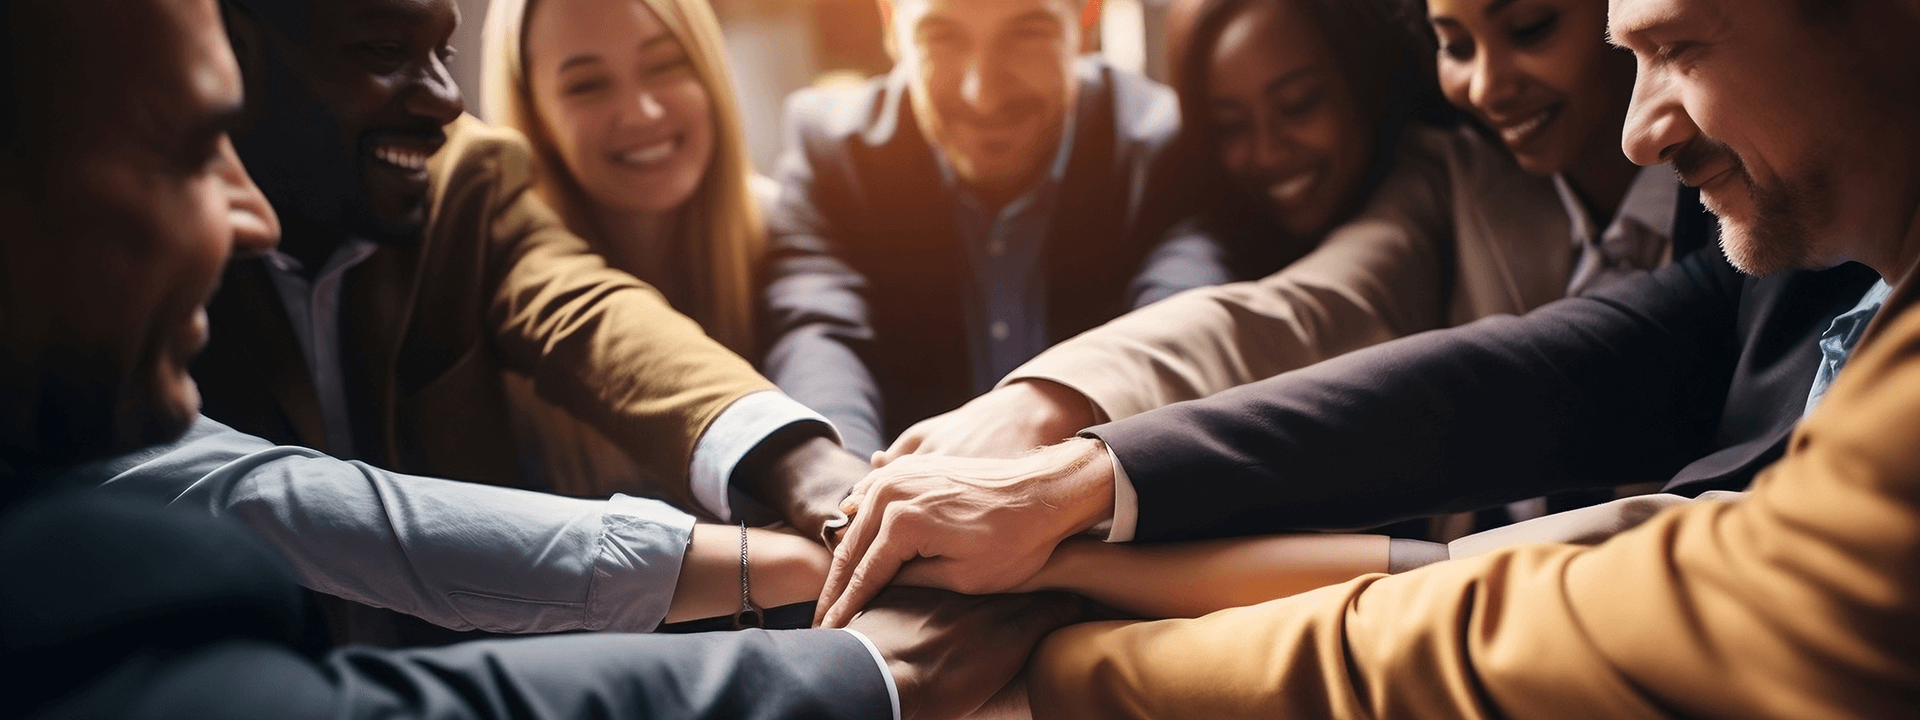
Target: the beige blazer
(1801, 600)
(1456, 232)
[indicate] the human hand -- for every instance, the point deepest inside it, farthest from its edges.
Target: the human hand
(1005, 422)
(967, 524)
(949, 654)
(805, 481)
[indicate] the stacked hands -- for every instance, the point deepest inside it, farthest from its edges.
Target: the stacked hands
(970, 525)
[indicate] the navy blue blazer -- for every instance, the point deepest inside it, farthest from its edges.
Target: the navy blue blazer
(866, 272)
(1693, 374)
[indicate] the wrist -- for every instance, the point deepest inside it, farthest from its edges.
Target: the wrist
(1065, 411)
(1082, 489)
(803, 475)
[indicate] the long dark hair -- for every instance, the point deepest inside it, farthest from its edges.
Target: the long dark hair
(1388, 65)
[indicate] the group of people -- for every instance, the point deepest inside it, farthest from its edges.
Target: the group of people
(1023, 385)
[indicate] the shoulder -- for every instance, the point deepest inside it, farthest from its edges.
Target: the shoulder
(480, 156)
(1144, 110)
(839, 114)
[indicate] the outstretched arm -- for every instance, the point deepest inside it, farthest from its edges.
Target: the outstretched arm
(1183, 580)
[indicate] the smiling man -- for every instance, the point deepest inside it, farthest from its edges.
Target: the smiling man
(416, 267)
(941, 225)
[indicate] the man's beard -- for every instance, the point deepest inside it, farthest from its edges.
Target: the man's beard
(1777, 237)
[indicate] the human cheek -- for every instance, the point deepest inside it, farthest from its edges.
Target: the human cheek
(1456, 82)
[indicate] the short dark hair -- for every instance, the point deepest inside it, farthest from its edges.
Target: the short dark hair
(1824, 10)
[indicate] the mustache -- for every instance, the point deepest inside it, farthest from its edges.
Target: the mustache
(1693, 159)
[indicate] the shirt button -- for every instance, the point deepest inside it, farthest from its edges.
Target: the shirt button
(996, 247)
(999, 330)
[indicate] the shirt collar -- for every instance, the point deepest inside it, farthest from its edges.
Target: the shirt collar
(1650, 202)
(350, 253)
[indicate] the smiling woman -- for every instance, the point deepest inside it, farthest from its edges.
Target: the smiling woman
(638, 139)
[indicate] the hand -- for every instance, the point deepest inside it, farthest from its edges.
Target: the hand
(804, 480)
(950, 653)
(971, 525)
(1006, 422)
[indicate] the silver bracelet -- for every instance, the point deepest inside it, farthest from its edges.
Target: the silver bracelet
(749, 614)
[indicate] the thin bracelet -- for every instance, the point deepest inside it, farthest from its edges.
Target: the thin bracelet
(749, 614)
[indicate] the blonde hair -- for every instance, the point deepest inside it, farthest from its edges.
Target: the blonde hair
(720, 226)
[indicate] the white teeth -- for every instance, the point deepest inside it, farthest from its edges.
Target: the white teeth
(1517, 133)
(649, 154)
(408, 159)
(1291, 190)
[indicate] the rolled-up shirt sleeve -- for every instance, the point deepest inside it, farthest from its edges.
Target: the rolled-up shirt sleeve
(461, 555)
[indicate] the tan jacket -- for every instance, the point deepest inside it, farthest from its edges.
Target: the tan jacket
(1455, 233)
(1800, 601)
(497, 283)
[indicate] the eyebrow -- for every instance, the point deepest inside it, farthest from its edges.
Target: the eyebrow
(1493, 8)
(1643, 26)
(588, 58)
(1294, 76)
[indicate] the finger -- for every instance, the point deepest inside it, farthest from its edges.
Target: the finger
(877, 567)
(856, 496)
(853, 544)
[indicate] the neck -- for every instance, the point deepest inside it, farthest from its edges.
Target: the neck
(1603, 183)
(631, 239)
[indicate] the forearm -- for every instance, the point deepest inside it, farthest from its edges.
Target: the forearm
(457, 554)
(1196, 578)
(1368, 284)
(783, 569)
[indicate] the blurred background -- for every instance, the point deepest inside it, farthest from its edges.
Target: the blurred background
(779, 46)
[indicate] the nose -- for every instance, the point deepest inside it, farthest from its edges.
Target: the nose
(256, 229)
(1273, 146)
(984, 83)
(435, 95)
(649, 106)
(1494, 83)
(1657, 123)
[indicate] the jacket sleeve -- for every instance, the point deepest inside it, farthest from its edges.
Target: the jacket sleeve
(1797, 601)
(460, 555)
(818, 320)
(1620, 387)
(595, 340)
(746, 675)
(1377, 277)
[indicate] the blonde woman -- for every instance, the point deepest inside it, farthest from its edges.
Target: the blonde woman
(628, 107)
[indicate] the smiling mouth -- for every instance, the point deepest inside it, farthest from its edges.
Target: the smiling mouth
(644, 156)
(1293, 189)
(1519, 133)
(405, 157)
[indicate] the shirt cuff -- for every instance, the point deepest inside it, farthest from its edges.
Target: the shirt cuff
(893, 691)
(643, 544)
(1126, 503)
(739, 429)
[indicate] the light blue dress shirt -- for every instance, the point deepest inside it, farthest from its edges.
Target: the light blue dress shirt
(1836, 344)
(1006, 292)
